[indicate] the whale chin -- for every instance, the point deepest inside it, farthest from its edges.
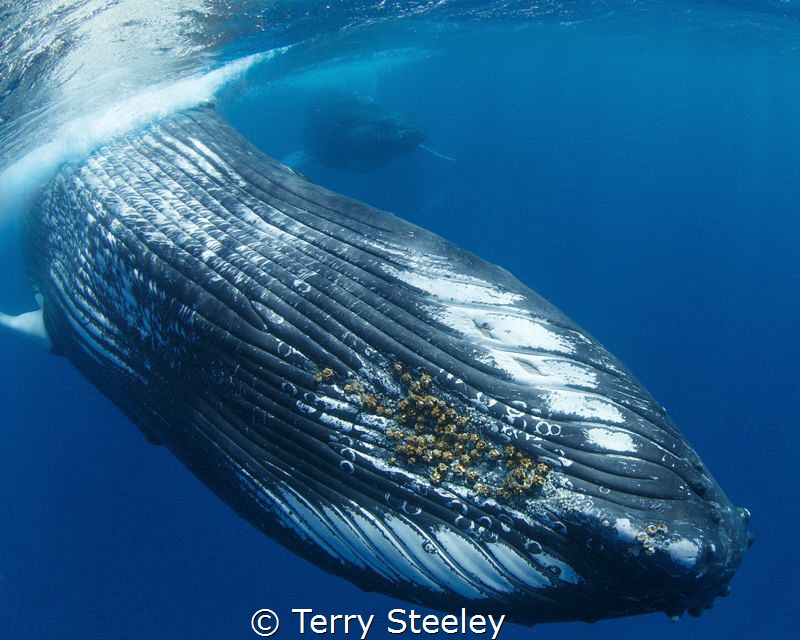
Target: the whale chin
(397, 410)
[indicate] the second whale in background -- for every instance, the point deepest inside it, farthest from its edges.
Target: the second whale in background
(349, 132)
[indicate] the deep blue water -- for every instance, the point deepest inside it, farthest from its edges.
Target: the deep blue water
(644, 180)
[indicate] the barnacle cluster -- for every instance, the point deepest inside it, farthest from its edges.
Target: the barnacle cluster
(523, 473)
(647, 537)
(353, 387)
(443, 442)
(324, 375)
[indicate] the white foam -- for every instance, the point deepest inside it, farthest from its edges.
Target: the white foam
(81, 136)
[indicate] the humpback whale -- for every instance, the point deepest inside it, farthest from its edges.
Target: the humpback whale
(352, 133)
(384, 403)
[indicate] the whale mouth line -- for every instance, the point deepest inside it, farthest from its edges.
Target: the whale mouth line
(373, 397)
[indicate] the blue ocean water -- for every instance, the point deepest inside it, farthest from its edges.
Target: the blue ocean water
(637, 166)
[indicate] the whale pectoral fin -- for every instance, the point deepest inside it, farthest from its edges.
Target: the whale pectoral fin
(433, 152)
(29, 325)
(297, 159)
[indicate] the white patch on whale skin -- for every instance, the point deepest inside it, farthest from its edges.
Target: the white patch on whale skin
(519, 332)
(521, 346)
(611, 440)
(28, 325)
(626, 531)
(684, 552)
(570, 373)
(464, 290)
(583, 406)
(507, 331)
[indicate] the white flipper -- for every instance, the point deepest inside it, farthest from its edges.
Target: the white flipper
(296, 159)
(436, 153)
(29, 325)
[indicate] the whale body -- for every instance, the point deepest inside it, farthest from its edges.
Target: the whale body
(389, 406)
(352, 133)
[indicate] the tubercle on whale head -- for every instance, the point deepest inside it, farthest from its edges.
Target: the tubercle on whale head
(657, 572)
